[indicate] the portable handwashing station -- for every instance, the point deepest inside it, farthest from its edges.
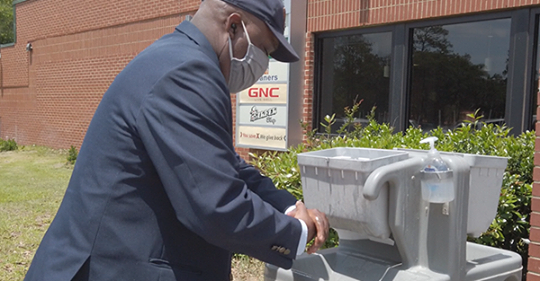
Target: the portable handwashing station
(402, 215)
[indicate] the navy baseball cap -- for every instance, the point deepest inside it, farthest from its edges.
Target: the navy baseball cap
(272, 13)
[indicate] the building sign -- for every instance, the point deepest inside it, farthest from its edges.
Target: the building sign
(263, 115)
(262, 137)
(277, 72)
(266, 116)
(264, 93)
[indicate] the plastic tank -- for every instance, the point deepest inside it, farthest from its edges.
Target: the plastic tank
(485, 182)
(333, 181)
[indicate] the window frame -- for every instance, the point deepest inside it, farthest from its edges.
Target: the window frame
(317, 85)
(451, 21)
(14, 3)
(534, 30)
(520, 66)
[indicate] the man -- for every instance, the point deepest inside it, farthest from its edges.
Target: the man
(158, 192)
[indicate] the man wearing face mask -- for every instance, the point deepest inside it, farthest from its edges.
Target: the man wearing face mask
(158, 192)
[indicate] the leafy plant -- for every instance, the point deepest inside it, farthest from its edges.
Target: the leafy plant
(8, 145)
(282, 168)
(72, 155)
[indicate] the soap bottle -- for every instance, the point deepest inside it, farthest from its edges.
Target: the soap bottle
(436, 178)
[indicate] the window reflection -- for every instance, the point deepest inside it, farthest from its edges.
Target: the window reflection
(355, 68)
(458, 69)
(535, 86)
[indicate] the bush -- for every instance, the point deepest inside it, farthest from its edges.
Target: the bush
(7, 145)
(72, 155)
(510, 228)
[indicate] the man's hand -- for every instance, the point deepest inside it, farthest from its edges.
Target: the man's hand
(322, 226)
(316, 222)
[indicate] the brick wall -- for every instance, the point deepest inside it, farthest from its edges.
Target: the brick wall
(50, 94)
(307, 114)
(534, 248)
(339, 14)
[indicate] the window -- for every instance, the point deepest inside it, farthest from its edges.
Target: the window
(536, 66)
(458, 69)
(433, 73)
(7, 35)
(355, 68)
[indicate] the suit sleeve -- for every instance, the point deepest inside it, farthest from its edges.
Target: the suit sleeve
(264, 187)
(185, 126)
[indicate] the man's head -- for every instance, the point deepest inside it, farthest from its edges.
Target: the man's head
(272, 13)
(224, 20)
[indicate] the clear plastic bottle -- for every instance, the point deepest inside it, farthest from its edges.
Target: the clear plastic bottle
(437, 182)
(434, 160)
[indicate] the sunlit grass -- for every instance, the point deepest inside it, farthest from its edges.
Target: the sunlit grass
(32, 183)
(247, 269)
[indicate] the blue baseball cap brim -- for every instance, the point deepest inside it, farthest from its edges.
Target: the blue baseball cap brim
(285, 51)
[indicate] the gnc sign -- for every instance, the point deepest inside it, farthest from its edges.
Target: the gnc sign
(265, 93)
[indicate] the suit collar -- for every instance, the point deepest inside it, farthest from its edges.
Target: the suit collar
(191, 31)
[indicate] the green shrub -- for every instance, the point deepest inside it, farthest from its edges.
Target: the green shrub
(511, 226)
(8, 145)
(72, 155)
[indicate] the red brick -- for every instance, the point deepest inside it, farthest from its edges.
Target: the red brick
(536, 189)
(533, 265)
(534, 234)
(536, 174)
(534, 250)
(535, 219)
(533, 276)
(535, 204)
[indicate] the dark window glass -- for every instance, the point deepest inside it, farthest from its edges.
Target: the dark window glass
(458, 69)
(355, 68)
(535, 86)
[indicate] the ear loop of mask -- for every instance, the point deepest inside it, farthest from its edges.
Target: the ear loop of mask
(230, 43)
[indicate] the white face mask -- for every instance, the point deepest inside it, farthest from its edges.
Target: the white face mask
(246, 71)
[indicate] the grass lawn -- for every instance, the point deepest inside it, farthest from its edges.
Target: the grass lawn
(32, 183)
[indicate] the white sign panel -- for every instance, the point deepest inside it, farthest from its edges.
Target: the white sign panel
(270, 115)
(262, 137)
(277, 72)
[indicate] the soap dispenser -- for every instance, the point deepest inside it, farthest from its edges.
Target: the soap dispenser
(436, 179)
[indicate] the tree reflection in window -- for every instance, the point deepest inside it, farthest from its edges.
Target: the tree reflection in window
(356, 68)
(457, 69)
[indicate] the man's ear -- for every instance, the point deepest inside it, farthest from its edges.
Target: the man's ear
(233, 25)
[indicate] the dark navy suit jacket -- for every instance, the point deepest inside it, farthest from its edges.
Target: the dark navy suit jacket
(158, 192)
